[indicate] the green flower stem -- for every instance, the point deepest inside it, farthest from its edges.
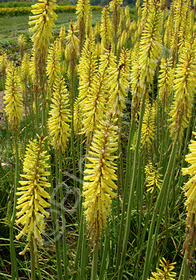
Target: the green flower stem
(58, 252)
(57, 241)
(81, 251)
(32, 252)
(38, 268)
(65, 260)
(80, 151)
(186, 271)
(132, 186)
(26, 110)
(145, 228)
(72, 99)
(185, 268)
(158, 212)
(37, 111)
(127, 179)
(3, 80)
(82, 239)
(191, 126)
(95, 260)
(104, 255)
(84, 254)
(42, 84)
(139, 198)
(73, 153)
(44, 112)
(120, 159)
(31, 112)
(181, 154)
(14, 269)
(56, 223)
(79, 245)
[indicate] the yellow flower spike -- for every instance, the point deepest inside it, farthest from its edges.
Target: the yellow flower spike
(186, 25)
(25, 73)
(115, 8)
(89, 30)
(143, 15)
(72, 49)
(94, 109)
(179, 9)
(107, 60)
(122, 40)
(3, 62)
(125, 59)
(166, 77)
(106, 29)
(77, 117)
(190, 186)
(165, 271)
(153, 177)
(87, 71)
(97, 32)
(72, 40)
(146, 52)
(82, 11)
(99, 187)
(115, 5)
(168, 32)
(148, 126)
(184, 87)
(43, 21)
(62, 35)
(25, 67)
(98, 50)
(137, 4)
(13, 97)
(121, 22)
(21, 43)
(150, 44)
(135, 78)
(3, 65)
(32, 69)
(53, 67)
(58, 122)
(128, 19)
(31, 200)
(119, 83)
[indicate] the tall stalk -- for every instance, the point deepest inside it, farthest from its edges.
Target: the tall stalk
(131, 192)
(95, 260)
(125, 190)
(158, 212)
(56, 222)
(120, 159)
(14, 269)
(65, 260)
(32, 252)
(79, 245)
(104, 255)
(185, 268)
(72, 99)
